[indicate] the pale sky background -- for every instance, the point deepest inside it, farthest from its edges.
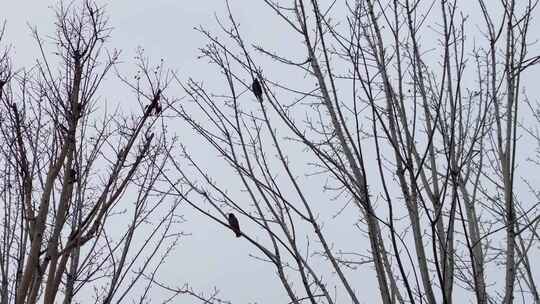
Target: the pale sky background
(211, 256)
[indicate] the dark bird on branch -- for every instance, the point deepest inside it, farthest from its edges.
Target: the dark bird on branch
(257, 90)
(154, 105)
(72, 176)
(235, 226)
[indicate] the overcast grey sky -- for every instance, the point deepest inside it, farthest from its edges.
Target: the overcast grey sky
(211, 256)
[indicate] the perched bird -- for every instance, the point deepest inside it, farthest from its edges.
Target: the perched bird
(235, 226)
(72, 176)
(154, 105)
(257, 90)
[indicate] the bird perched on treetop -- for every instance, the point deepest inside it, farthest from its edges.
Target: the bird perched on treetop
(155, 102)
(235, 226)
(257, 90)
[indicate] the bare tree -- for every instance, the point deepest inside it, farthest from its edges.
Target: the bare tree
(411, 126)
(84, 213)
(408, 145)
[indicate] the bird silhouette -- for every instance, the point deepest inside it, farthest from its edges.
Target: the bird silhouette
(154, 105)
(72, 176)
(257, 90)
(235, 226)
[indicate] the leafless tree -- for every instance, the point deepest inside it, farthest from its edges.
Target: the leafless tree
(412, 127)
(84, 212)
